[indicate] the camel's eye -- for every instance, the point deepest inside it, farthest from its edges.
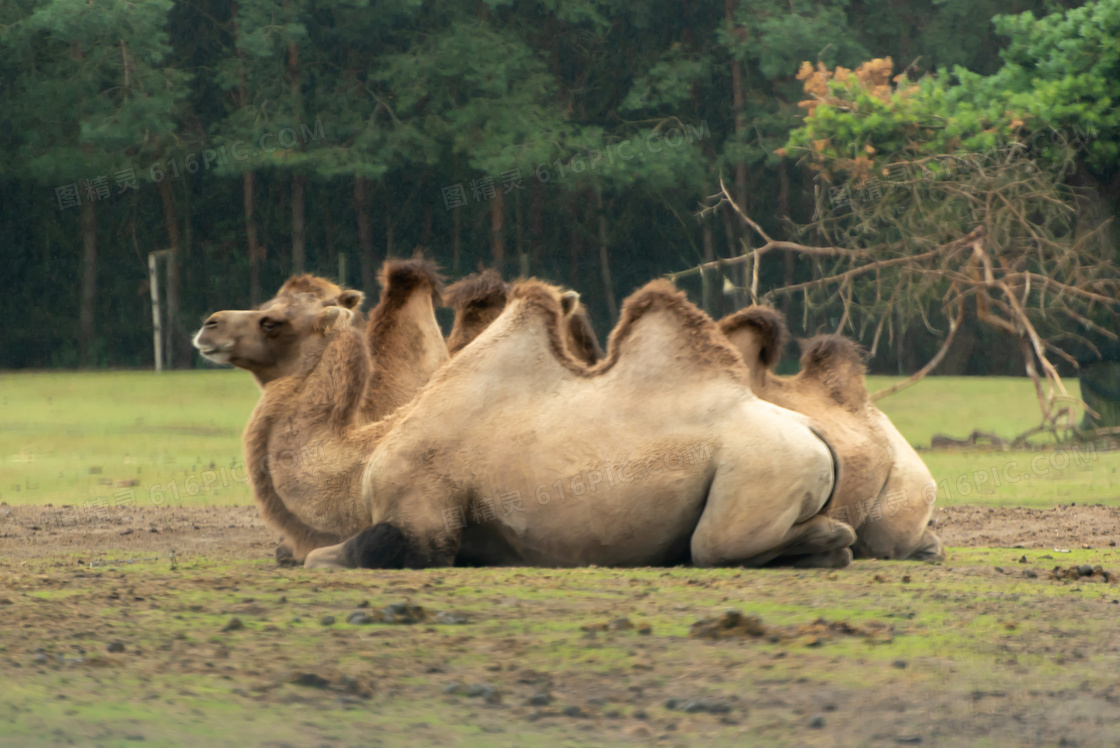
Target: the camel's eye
(270, 325)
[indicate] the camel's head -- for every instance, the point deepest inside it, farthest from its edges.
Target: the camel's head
(284, 334)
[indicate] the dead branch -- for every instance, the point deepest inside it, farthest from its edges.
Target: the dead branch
(920, 374)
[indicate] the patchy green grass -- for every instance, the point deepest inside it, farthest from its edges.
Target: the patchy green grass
(974, 655)
(174, 438)
(954, 406)
(1005, 406)
(171, 438)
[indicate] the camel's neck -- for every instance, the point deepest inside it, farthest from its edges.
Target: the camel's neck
(407, 347)
(304, 455)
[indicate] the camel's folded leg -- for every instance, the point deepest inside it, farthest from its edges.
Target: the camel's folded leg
(819, 541)
(384, 546)
(928, 548)
(837, 559)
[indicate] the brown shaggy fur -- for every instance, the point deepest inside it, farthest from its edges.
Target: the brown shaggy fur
(838, 364)
(399, 278)
(477, 300)
(769, 329)
(402, 355)
(307, 283)
(482, 289)
(337, 379)
(321, 288)
(582, 340)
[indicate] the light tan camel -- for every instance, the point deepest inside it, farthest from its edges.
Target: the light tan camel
(885, 490)
(489, 465)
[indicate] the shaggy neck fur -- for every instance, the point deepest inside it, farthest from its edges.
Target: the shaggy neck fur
(302, 435)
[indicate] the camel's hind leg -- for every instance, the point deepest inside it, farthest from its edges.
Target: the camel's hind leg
(819, 542)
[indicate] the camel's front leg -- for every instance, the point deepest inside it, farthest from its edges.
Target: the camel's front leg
(385, 546)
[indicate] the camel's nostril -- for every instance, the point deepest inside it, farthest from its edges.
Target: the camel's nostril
(210, 324)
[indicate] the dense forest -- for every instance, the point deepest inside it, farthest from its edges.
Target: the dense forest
(575, 141)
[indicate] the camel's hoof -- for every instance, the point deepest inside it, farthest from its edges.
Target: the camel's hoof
(323, 558)
(931, 550)
(836, 559)
(284, 556)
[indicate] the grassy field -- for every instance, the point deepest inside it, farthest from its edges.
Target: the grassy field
(68, 439)
(102, 645)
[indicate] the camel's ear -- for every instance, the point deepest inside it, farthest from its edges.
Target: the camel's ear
(568, 301)
(331, 318)
(351, 299)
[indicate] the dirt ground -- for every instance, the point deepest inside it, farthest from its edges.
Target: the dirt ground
(222, 647)
(28, 532)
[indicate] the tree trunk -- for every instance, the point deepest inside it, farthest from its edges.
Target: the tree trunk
(790, 258)
(389, 229)
(328, 240)
(522, 257)
(455, 231)
(426, 231)
(171, 218)
(536, 228)
(299, 227)
(184, 277)
(574, 240)
(365, 236)
(604, 261)
(707, 276)
(729, 7)
(89, 282)
(898, 338)
(732, 251)
(497, 224)
(255, 251)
